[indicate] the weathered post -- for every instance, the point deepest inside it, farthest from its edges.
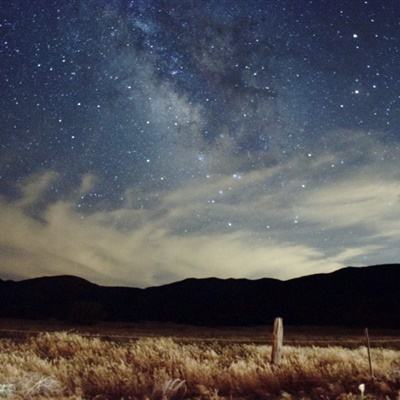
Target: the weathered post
(277, 341)
(369, 353)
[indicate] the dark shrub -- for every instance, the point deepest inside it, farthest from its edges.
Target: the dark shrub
(86, 313)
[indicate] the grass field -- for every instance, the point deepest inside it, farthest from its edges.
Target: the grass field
(189, 363)
(294, 335)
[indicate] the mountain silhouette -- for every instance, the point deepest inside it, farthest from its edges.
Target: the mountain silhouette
(352, 296)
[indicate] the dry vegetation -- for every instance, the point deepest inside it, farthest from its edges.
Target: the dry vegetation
(294, 335)
(69, 366)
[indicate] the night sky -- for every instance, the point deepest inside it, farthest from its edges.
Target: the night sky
(143, 142)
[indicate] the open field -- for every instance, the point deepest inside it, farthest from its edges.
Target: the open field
(294, 335)
(204, 366)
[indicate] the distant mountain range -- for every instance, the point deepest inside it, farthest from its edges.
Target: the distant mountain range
(352, 296)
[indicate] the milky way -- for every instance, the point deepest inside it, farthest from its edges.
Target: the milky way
(147, 141)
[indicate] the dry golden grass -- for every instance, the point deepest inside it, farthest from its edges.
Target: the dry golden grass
(69, 366)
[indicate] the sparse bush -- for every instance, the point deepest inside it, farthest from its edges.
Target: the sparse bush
(86, 313)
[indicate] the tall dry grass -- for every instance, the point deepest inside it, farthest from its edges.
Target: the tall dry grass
(69, 366)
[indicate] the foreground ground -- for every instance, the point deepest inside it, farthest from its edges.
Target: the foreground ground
(70, 366)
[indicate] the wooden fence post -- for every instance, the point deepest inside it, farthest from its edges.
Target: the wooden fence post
(277, 341)
(369, 353)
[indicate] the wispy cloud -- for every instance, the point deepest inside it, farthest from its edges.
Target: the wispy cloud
(240, 225)
(34, 186)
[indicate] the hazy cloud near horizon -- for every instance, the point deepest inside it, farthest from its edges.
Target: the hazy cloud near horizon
(249, 225)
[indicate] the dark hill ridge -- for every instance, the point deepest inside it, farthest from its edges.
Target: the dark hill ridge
(352, 296)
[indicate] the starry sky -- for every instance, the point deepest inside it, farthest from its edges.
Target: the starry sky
(147, 141)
